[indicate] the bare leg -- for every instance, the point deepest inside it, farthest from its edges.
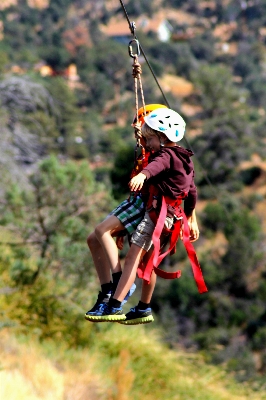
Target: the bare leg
(132, 260)
(103, 234)
(99, 258)
(148, 289)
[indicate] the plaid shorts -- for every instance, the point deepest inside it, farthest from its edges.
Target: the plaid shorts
(130, 212)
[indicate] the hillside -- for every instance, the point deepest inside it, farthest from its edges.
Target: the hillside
(67, 149)
(114, 369)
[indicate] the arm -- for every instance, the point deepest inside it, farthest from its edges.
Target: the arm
(158, 164)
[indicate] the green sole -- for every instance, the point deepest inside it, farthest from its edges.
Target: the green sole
(105, 318)
(138, 321)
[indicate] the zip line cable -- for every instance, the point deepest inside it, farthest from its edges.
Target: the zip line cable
(132, 28)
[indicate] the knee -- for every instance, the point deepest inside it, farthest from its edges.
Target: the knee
(92, 240)
(99, 231)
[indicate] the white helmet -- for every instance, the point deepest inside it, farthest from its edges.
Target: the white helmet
(168, 122)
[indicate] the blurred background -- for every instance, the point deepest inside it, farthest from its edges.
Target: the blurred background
(66, 152)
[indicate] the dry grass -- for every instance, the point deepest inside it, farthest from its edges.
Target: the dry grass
(28, 375)
(121, 364)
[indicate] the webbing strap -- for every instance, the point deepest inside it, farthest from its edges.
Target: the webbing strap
(202, 288)
(155, 259)
(167, 275)
(145, 272)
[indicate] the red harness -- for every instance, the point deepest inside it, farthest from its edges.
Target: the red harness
(145, 270)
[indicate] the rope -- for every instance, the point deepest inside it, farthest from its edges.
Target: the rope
(136, 73)
(132, 28)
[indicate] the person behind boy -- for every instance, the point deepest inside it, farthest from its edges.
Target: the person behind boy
(171, 170)
(125, 217)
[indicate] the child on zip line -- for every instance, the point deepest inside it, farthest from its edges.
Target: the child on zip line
(122, 220)
(171, 172)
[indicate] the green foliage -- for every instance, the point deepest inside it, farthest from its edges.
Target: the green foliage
(202, 47)
(226, 124)
(242, 231)
(258, 341)
(248, 60)
(48, 261)
(57, 58)
(3, 61)
(256, 85)
(120, 173)
(248, 176)
(66, 111)
(100, 91)
(57, 235)
(136, 7)
(217, 92)
(213, 321)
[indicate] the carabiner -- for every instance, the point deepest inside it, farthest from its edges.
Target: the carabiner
(130, 51)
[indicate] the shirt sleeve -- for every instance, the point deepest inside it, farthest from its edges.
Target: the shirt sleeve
(191, 199)
(160, 163)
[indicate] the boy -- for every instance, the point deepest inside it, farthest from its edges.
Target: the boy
(125, 218)
(171, 171)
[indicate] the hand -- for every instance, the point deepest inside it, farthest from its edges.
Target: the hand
(193, 228)
(194, 233)
(136, 183)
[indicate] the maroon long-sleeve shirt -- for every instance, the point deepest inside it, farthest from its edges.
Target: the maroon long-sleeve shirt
(172, 171)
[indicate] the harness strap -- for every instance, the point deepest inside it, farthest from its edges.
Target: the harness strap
(145, 271)
(198, 276)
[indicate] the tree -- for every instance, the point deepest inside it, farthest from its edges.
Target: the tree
(48, 260)
(217, 93)
(226, 137)
(120, 174)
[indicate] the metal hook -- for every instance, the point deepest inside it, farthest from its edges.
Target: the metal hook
(130, 51)
(133, 27)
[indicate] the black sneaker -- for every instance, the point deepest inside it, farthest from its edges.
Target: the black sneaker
(107, 314)
(136, 316)
(101, 301)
